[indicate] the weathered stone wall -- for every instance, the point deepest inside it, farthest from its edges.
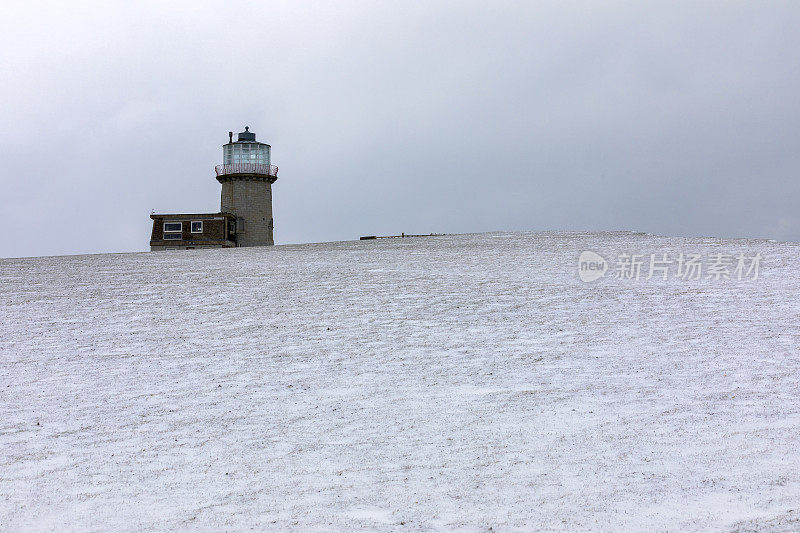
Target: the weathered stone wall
(251, 201)
(159, 248)
(213, 228)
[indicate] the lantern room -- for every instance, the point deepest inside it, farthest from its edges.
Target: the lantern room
(245, 149)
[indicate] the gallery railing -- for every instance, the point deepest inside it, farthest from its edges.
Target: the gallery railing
(246, 168)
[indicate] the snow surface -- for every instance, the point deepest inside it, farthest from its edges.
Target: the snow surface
(455, 382)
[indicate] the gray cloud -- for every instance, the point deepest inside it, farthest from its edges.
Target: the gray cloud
(672, 118)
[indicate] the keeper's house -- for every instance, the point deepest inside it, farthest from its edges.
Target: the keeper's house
(245, 217)
(186, 231)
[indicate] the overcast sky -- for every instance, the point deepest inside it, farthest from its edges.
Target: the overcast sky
(676, 118)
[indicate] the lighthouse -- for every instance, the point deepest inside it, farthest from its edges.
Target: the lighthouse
(247, 175)
(245, 217)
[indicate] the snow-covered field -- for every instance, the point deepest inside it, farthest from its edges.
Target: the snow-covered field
(455, 382)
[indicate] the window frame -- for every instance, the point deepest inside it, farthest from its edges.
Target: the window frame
(173, 230)
(191, 226)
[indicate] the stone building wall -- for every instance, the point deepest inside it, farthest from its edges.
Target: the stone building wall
(214, 231)
(250, 199)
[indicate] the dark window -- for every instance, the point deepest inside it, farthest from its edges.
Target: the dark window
(173, 226)
(172, 236)
(197, 226)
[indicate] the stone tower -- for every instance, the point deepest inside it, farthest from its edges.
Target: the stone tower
(247, 175)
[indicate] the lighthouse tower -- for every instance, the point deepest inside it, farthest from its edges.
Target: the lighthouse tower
(247, 175)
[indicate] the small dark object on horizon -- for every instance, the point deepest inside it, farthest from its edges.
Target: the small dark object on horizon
(401, 236)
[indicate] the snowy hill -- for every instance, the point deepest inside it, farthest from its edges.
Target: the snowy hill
(455, 382)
